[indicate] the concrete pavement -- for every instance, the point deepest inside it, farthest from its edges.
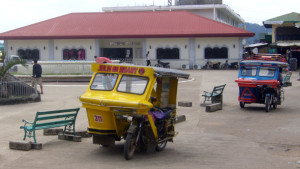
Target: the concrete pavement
(229, 138)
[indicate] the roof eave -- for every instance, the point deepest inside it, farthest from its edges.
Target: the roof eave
(127, 36)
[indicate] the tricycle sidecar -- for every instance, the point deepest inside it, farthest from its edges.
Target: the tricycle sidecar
(258, 81)
(134, 103)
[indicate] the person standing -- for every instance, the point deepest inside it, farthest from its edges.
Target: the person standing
(147, 59)
(37, 75)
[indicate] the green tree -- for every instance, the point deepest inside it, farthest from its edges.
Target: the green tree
(6, 64)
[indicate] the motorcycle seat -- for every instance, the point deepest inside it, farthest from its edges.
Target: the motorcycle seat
(167, 112)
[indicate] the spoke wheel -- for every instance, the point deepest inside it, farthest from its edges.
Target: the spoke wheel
(242, 104)
(268, 103)
(129, 146)
(161, 146)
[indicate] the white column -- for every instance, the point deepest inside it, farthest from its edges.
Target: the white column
(51, 50)
(214, 13)
(192, 52)
(97, 47)
(144, 50)
(6, 46)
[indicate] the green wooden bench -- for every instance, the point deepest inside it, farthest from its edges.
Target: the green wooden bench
(216, 96)
(286, 79)
(51, 119)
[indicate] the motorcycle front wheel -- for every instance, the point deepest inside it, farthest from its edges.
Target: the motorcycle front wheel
(161, 146)
(129, 146)
(268, 102)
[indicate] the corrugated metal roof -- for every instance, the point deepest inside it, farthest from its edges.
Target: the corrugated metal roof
(287, 18)
(126, 25)
(250, 62)
(288, 43)
(291, 17)
(256, 45)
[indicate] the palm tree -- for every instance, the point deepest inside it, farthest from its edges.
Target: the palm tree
(8, 64)
(5, 65)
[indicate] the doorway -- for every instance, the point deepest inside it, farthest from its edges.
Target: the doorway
(122, 54)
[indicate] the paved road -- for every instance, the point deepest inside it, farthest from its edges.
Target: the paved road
(230, 138)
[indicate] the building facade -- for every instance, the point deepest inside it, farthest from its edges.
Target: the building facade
(286, 35)
(218, 12)
(178, 37)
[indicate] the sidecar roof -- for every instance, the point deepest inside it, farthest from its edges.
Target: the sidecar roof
(163, 72)
(138, 70)
(264, 63)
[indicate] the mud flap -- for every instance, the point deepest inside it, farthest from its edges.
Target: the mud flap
(104, 140)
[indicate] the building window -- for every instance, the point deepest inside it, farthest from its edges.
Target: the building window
(29, 54)
(216, 53)
(73, 54)
(167, 53)
(118, 53)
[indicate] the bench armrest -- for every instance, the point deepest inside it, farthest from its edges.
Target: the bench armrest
(205, 92)
(25, 123)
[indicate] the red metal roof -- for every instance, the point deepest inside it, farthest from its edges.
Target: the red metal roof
(126, 25)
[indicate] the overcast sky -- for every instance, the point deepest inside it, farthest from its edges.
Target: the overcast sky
(18, 13)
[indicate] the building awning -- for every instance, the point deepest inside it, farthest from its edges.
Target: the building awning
(287, 43)
(256, 45)
(273, 22)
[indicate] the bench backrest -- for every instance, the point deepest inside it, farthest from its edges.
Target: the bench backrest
(56, 117)
(218, 89)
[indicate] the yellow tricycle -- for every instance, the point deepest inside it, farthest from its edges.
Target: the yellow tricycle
(135, 103)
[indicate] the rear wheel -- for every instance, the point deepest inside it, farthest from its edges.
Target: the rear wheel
(242, 104)
(129, 146)
(275, 103)
(268, 103)
(161, 146)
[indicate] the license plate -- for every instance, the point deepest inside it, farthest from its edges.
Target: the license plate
(98, 118)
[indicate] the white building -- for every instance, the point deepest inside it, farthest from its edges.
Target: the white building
(175, 36)
(218, 12)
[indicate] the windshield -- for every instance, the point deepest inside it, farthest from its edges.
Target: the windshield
(104, 81)
(248, 71)
(133, 84)
(266, 71)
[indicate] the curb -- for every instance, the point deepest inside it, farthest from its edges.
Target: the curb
(180, 118)
(214, 107)
(185, 104)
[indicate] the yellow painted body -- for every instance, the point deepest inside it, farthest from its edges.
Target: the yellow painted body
(103, 107)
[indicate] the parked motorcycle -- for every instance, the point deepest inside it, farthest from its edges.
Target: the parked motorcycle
(211, 65)
(162, 64)
(233, 65)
